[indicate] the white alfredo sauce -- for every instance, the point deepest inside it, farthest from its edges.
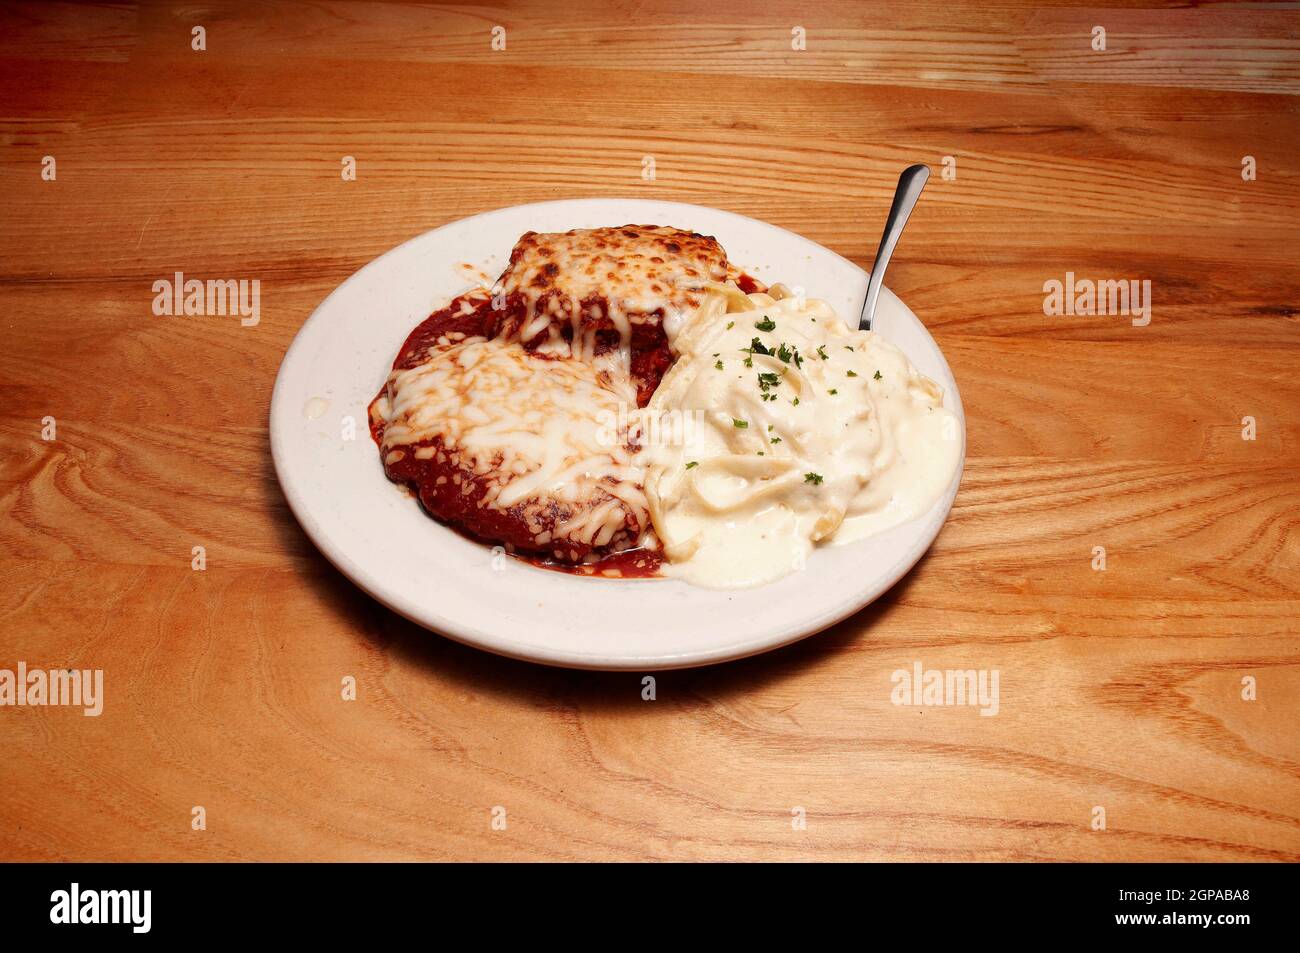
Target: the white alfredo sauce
(839, 438)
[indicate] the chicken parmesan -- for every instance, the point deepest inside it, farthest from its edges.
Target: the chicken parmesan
(507, 411)
(609, 297)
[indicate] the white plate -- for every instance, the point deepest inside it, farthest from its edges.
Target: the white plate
(381, 539)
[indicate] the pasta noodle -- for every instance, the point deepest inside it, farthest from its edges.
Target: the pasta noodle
(810, 433)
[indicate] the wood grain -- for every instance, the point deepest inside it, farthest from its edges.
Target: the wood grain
(1120, 689)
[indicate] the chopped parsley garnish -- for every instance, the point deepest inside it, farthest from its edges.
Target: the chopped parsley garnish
(821, 352)
(769, 379)
(693, 463)
(853, 373)
(718, 365)
(833, 391)
(775, 440)
(767, 324)
(730, 325)
(783, 353)
(795, 401)
(847, 348)
(878, 377)
(755, 347)
(739, 424)
(813, 478)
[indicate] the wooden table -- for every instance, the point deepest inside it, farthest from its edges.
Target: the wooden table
(1120, 689)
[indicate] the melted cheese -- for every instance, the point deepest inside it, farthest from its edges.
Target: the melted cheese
(572, 282)
(542, 419)
(534, 431)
